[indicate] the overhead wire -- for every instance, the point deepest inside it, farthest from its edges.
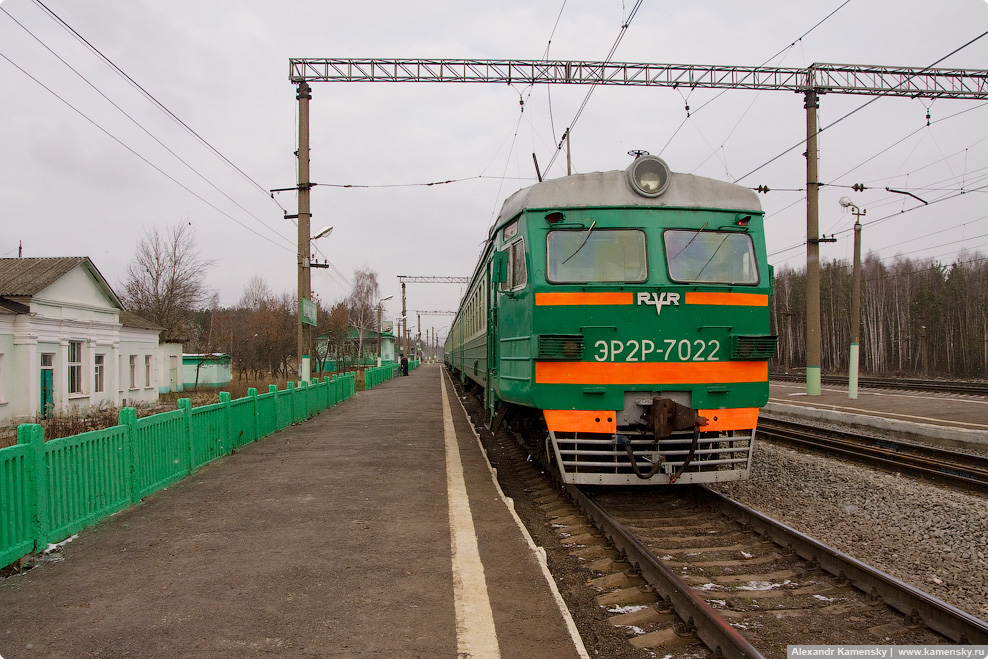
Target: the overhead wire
(586, 99)
(148, 162)
(154, 100)
(861, 107)
(137, 123)
(782, 52)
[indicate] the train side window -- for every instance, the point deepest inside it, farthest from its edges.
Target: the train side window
(517, 267)
(714, 257)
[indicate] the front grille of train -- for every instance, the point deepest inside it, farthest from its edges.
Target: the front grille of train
(721, 456)
(563, 347)
(754, 347)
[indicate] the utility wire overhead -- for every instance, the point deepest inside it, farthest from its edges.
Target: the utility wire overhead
(586, 99)
(138, 124)
(154, 100)
(862, 106)
(146, 161)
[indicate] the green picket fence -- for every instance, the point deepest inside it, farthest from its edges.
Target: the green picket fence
(50, 490)
(378, 375)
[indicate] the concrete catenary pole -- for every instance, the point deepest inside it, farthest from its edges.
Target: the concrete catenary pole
(812, 250)
(304, 283)
(852, 380)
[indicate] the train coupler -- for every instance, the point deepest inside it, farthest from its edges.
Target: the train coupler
(667, 416)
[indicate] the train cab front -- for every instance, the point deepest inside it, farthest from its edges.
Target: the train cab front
(652, 334)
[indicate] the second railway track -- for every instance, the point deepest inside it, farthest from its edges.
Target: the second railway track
(912, 384)
(963, 470)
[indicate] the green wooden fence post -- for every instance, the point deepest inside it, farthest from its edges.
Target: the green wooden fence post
(291, 400)
(252, 392)
(273, 390)
(33, 435)
(227, 426)
(127, 417)
(185, 404)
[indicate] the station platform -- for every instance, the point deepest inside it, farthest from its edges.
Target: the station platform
(375, 529)
(946, 418)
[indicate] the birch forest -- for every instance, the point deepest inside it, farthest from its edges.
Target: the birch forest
(918, 317)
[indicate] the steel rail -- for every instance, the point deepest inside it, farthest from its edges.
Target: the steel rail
(949, 621)
(718, 635)
(962, 470)
(917, 606)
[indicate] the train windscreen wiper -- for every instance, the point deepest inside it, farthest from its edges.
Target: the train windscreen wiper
(712, 256)
(695, 235)
(585, 239)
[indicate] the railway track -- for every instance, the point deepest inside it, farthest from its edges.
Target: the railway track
(685, 566)
(913, 384)
(748, 586)
(962, 470)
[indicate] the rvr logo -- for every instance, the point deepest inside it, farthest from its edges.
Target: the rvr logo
(658, 300)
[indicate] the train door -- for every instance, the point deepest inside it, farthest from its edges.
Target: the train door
(496, 275)
(47, 383)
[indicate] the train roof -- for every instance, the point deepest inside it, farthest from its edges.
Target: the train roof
(613, 189)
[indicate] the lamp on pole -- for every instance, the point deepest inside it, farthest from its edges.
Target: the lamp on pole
(852, 367)
(380, 328)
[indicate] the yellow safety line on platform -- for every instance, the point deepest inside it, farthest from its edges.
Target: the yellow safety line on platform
(475, 632)
(538, 551)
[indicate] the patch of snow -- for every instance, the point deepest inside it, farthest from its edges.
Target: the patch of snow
(759, 585)
(59, 545)
(626, 609)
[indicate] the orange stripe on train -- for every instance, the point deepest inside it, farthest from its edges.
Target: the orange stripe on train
(581, 421)
(560, 299)
(650, 372)
(728, 299)
(738, 418)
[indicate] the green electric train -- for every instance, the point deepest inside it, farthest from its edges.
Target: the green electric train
(619, 321)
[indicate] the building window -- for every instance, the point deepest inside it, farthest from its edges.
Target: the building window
(75, 367)
(133, 371)
(100, 370)
(2, 375)
(147, 370)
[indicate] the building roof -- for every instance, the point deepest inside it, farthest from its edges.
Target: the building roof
(206, 356)
(129, 319)
(25, 278)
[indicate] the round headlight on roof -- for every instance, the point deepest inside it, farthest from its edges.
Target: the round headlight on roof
(649, 176)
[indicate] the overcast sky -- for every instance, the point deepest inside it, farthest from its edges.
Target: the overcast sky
(69, 189)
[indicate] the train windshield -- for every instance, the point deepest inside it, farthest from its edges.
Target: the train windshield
(714, 257)
(596, 255)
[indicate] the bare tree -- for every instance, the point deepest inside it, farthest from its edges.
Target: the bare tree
(166, 281)
(362, 303)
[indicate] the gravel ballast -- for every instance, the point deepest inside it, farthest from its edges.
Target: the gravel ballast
(931, 537)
